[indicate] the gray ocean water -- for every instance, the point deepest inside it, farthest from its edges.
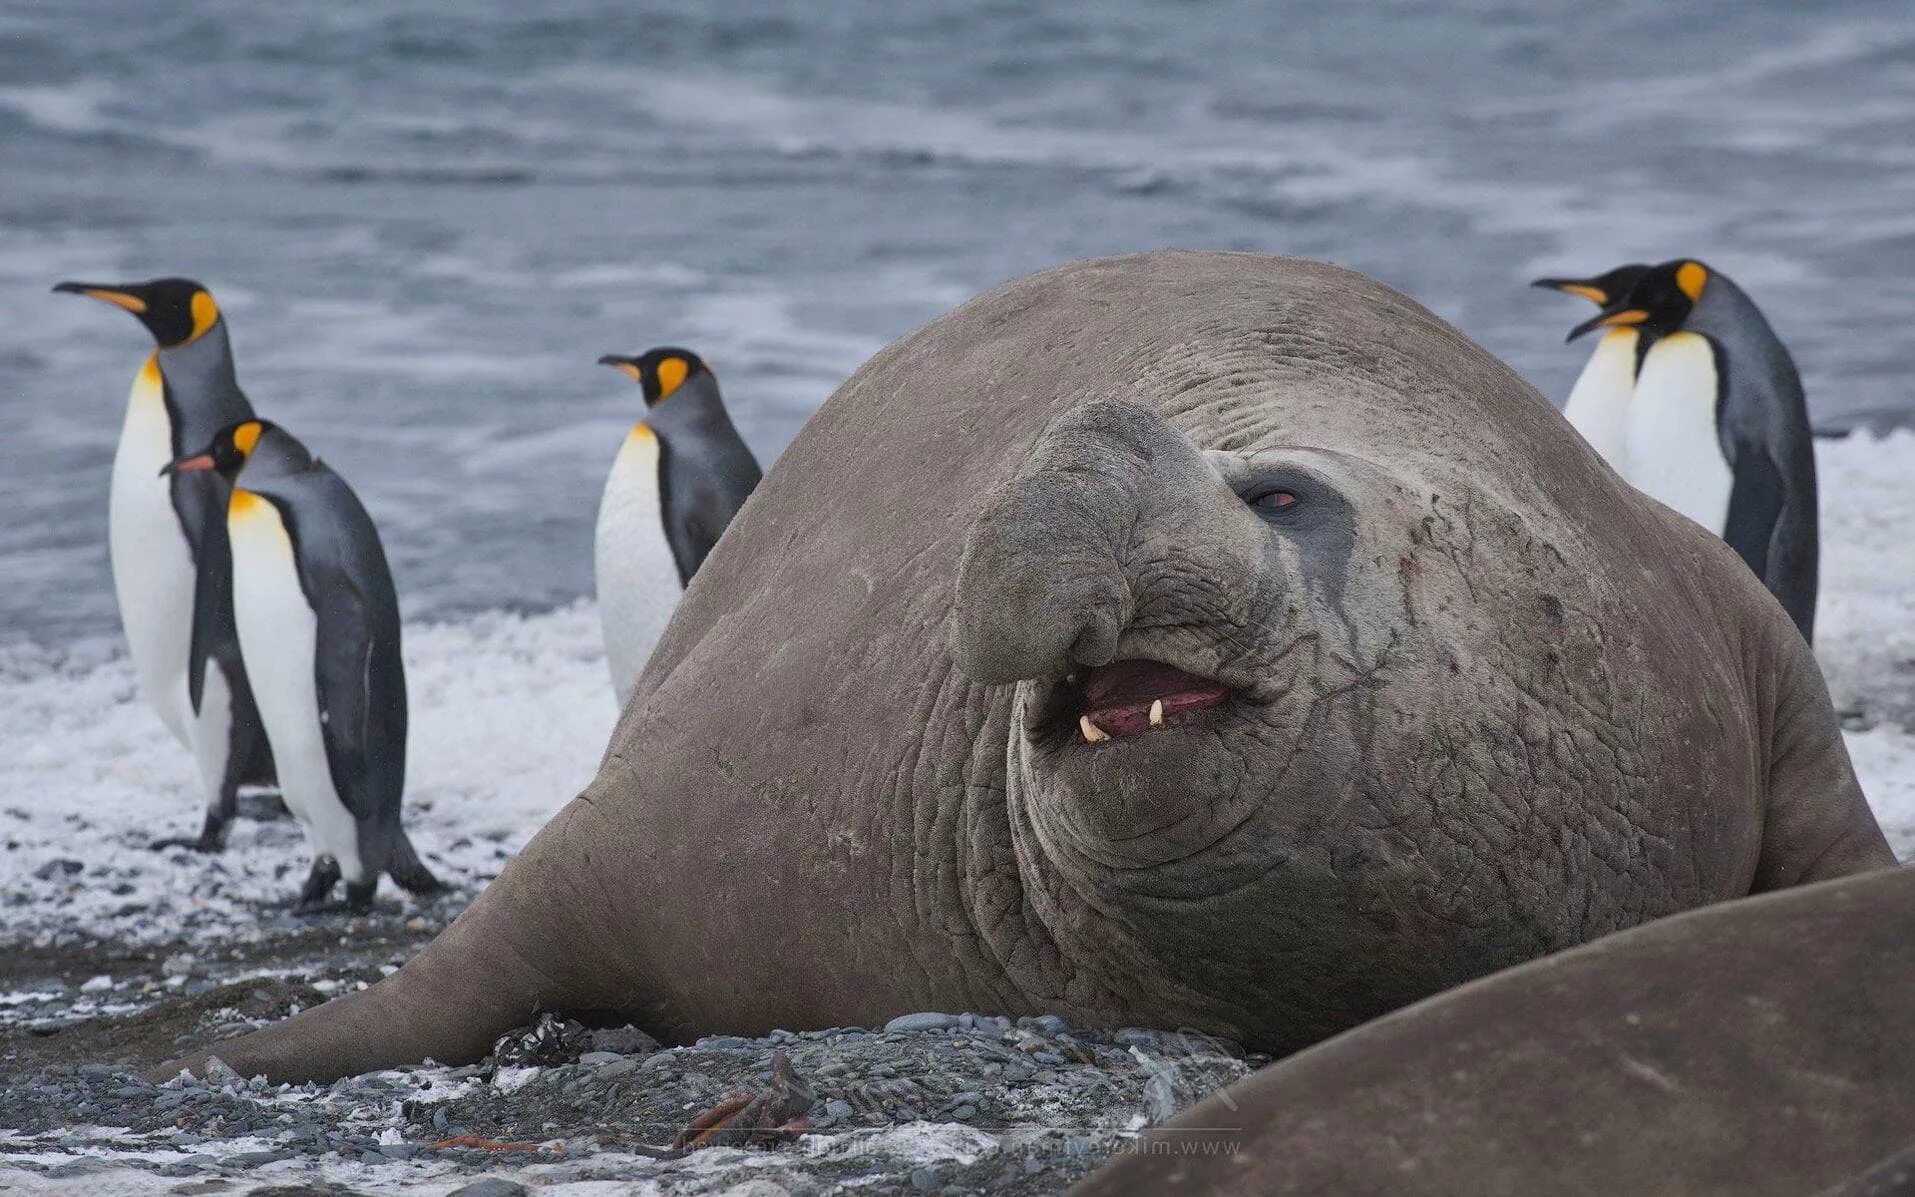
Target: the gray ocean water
(425, 221)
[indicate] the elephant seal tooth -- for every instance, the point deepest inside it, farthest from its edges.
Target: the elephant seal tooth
(1092, 732)
(1157, 712)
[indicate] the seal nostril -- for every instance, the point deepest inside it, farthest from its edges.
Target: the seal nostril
(1096, 643)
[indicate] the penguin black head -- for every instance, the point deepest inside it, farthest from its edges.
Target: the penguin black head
(661, 371)
(175, 310)
(1601, 290)
(1658, 302)
(232, 447)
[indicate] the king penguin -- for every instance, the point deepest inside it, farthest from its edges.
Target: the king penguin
(1719, 428)
(1598, 404)
(167, 542)
(680, 477)
(318, 624)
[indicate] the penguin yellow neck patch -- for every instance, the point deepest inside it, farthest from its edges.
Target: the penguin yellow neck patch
(1691, 277)
(244, 504)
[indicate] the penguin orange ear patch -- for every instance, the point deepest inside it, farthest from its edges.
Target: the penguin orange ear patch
(205, 312)
(246, 436)
(672, 373)
(1691, 277)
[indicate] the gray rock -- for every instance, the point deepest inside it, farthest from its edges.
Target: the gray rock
(255, 1159)
(489, 1186)
(626, 1041)
(219, 1073)
(80, 1167)
(599, 1059)
(928, 1021)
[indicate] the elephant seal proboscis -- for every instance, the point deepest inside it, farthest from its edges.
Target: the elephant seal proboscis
(1197, 640)
(1757, 1047)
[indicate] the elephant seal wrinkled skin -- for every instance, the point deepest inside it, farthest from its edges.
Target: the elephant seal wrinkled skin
(1461, 700)
(1758, 1047)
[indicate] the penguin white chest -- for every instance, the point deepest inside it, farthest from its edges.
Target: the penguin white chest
(635, 574)
(278, 639)
(1598, 404)
(153, 576)
(1672, 452)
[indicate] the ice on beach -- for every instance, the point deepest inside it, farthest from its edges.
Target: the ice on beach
(511, 713)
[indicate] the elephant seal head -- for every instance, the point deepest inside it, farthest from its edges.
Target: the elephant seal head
(1179, 625)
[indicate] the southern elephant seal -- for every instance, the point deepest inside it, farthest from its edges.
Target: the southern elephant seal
(1461, 699)
(1756, 1047)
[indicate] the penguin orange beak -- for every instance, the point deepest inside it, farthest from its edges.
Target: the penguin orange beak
(187, 465)
(1575, 286)
(105, 294)
(1609, 320)
(623, 363)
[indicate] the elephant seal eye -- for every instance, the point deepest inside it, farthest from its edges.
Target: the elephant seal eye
(1270, 500)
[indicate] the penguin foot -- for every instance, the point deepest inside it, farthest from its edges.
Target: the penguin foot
(262, 806)
(318, 887)
(211, 838)
(359, 894)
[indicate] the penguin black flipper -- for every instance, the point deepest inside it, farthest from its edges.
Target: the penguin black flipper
(1755, 505)
(362, 688)
(199, 500)
(700, 489)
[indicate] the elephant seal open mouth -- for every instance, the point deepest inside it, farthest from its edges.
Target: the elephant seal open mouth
(1130, 698)
(1449, 696)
